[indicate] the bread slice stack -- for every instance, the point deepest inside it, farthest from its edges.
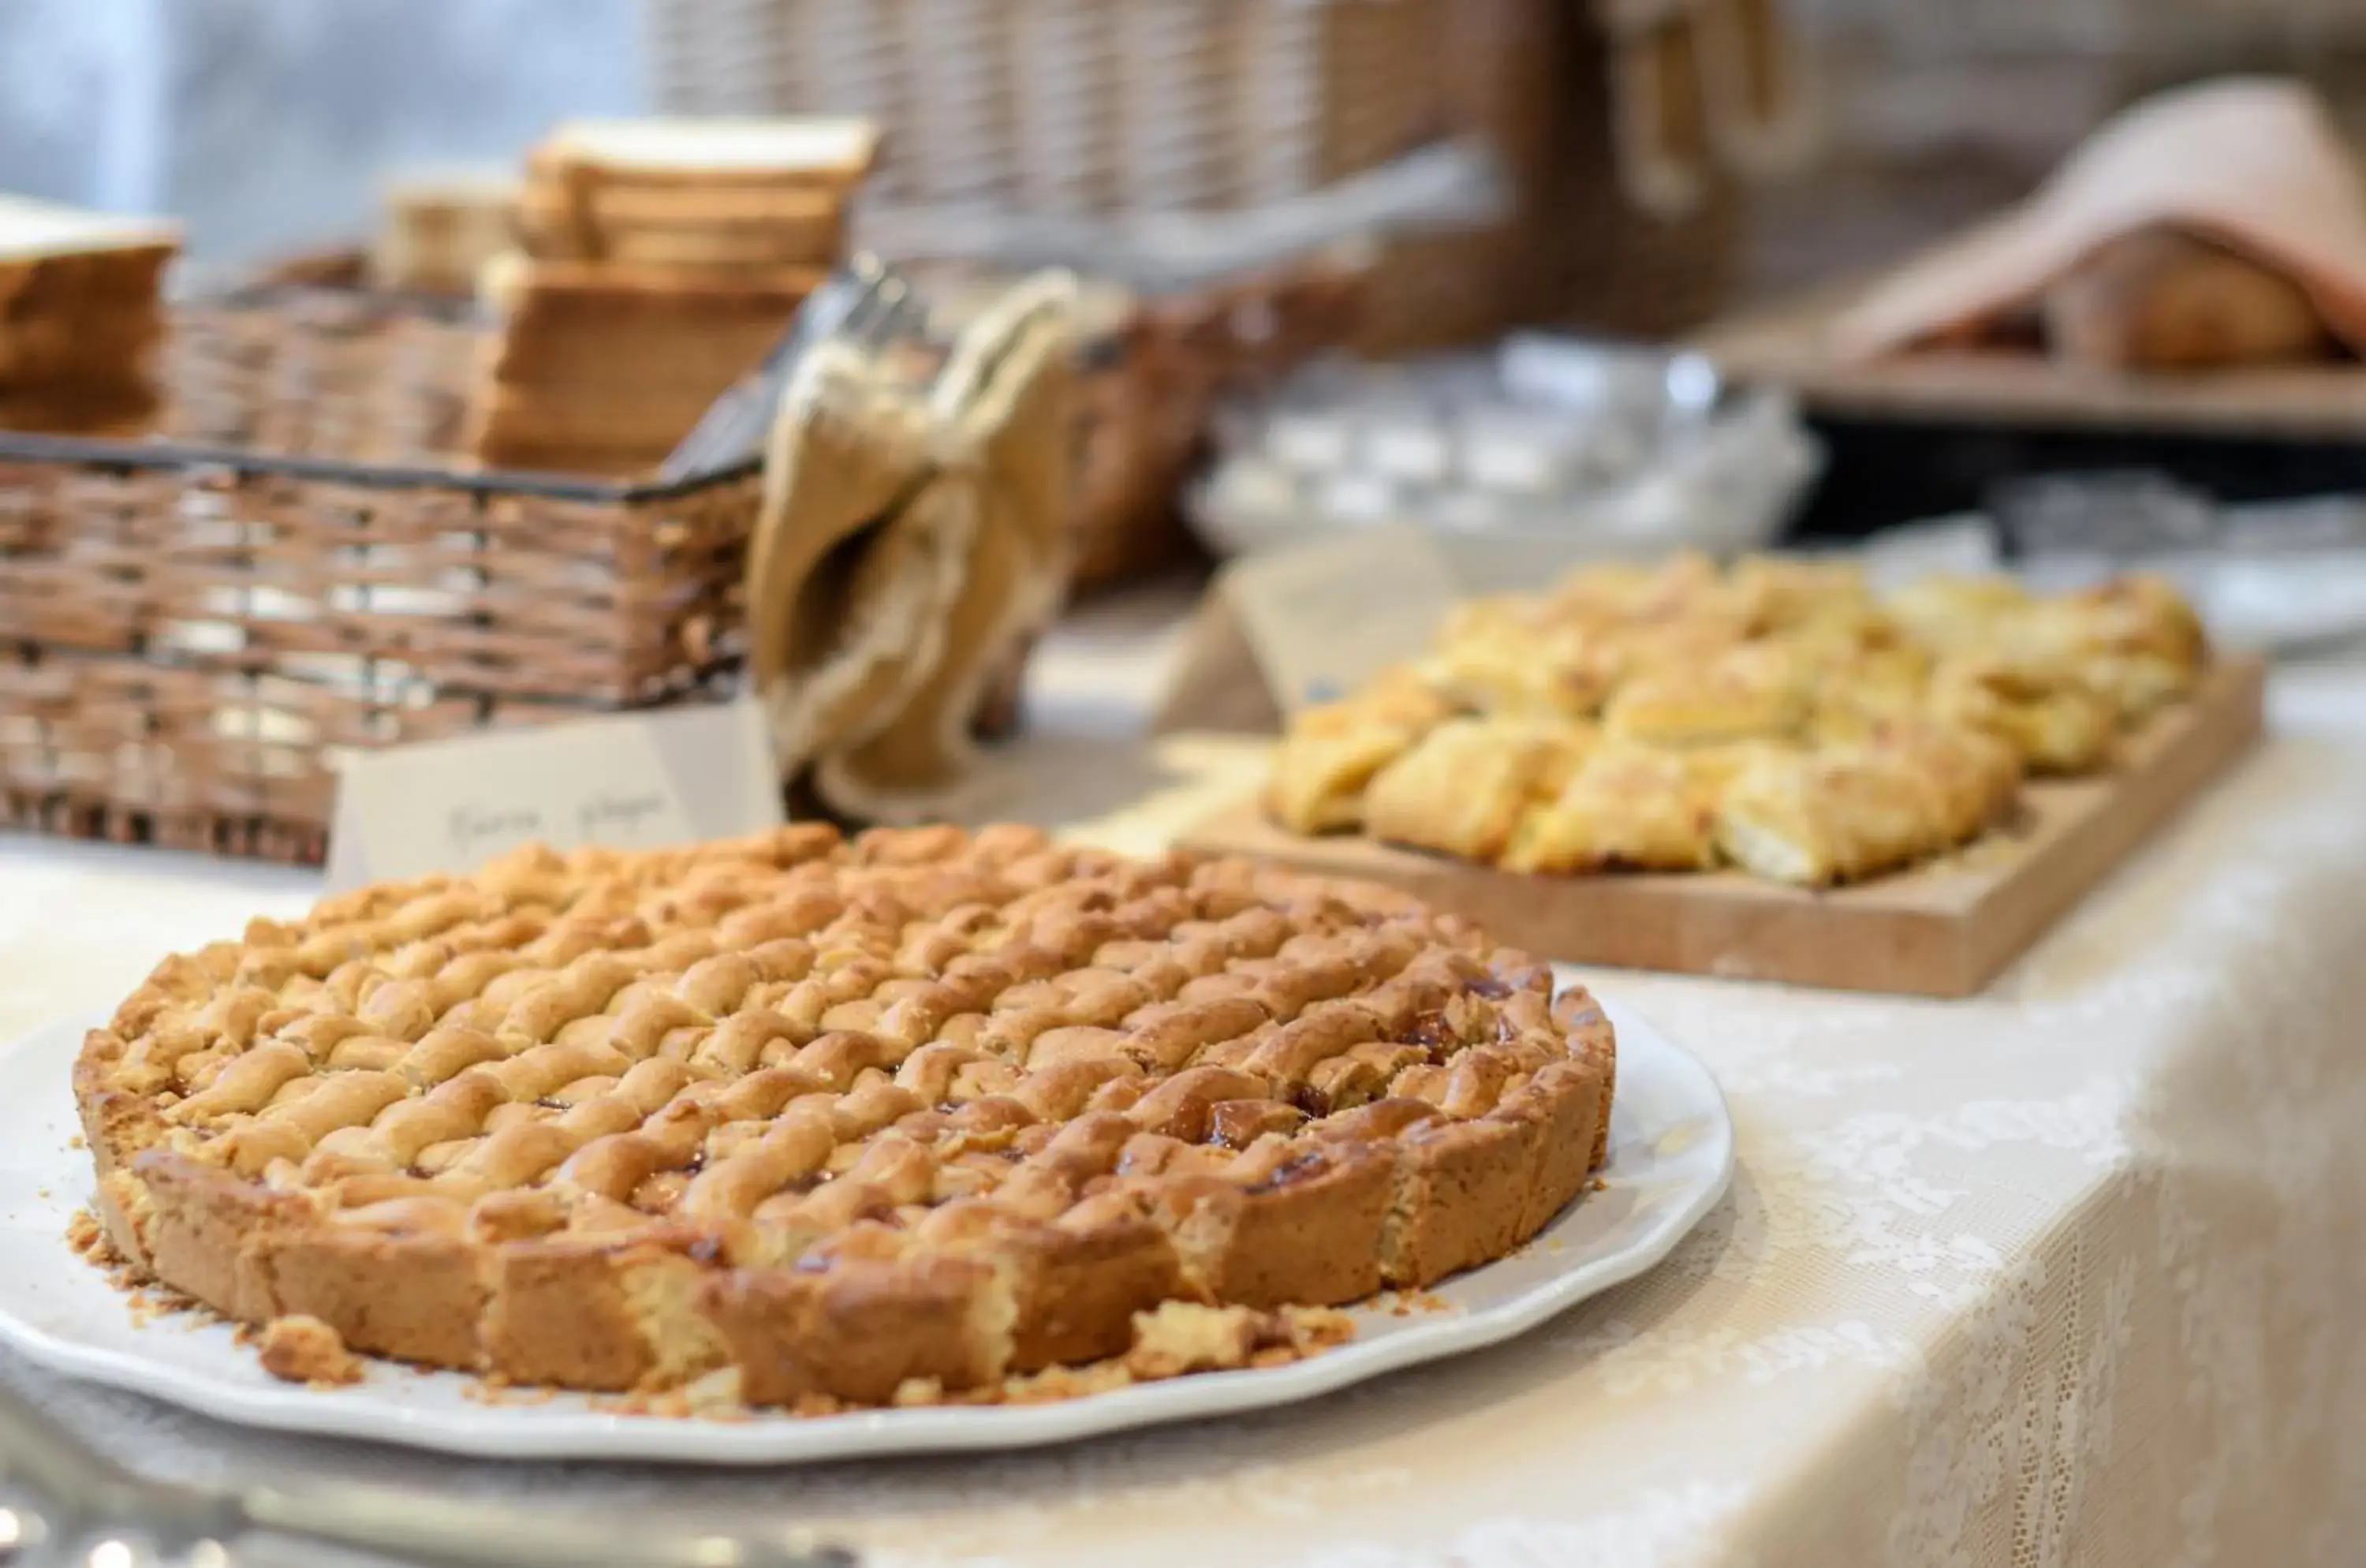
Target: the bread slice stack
(659, 260)
(80, 317)
(442, 225)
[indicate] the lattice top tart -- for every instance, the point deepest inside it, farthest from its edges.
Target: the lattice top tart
(801, 1118)
(1777, 716)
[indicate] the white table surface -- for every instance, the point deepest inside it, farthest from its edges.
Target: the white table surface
(2069, 1273)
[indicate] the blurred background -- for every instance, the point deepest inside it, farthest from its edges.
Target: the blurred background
(269, 124)
(1553, 280)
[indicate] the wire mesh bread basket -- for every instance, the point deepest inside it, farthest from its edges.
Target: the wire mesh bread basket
(191, 627)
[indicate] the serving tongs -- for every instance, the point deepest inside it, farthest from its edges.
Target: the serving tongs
(864, 302)
(62, 1503)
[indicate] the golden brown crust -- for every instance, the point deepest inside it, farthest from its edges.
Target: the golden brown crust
(822, 1121)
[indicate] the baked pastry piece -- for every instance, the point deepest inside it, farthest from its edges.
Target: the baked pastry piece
(1831, 816)
(1782, 591)
(2134, 640)
(1332, 752)
(1628, 807)
(1872, 731)
(1684, 585)
(1972, 777)
(1465, 786)
(1952, 612)
(1756, 692)
(1856, 695)
(1848, 812)
(1320, 774)
(1521, 670)
(2038, 705)
(794, 1118)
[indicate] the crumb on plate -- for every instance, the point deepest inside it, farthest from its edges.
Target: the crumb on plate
(304, 1349)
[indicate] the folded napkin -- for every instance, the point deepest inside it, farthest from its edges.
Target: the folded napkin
(2253, 166)
(1006, 407)
(912, 538)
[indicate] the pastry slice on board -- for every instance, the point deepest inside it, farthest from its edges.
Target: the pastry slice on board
(1814, 818)
(1332, 752)
(1007, 405)
(1464, 788)
(858, 553)
(1913, 789)
(1973, 777)
(1759, 691)
(2254, 166)
(2042, 707)
(1625, 807)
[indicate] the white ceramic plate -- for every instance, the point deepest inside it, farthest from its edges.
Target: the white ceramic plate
(1671, 1156)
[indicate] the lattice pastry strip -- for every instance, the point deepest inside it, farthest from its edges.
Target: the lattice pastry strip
(794, 1115)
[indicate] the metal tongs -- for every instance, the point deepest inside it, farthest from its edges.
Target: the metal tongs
(864, 302)
(62, 1504)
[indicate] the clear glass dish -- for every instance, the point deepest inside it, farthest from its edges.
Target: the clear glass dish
(1547, 452)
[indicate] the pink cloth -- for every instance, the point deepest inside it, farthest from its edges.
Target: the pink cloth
(2253, 163)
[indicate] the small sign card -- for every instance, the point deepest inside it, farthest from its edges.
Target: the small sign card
(631, 781)
(1308, 624)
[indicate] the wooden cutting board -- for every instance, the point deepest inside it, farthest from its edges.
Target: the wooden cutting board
(1943, 930)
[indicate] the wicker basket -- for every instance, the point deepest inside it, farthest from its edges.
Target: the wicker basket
(1151, 389)
(321, 372)
(1075, 105)
(1154, 369)
(188, 633)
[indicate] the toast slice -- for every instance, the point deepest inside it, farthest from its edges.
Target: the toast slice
(715, 152)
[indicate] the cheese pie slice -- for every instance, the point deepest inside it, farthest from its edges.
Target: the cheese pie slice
(1628, 807)
(1784, 592)
(1331, 752)
(1857, 697)
(1973, 776)
(1813, 817)
(1757, 691)
(2133, 640)
(1953, 612)
(1318, 780)
(2057, 723)
(1464, 788)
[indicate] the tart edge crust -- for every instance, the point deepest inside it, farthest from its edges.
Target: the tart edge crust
(664, 1310)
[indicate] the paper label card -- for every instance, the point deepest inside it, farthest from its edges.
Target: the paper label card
(630, 780)
(1324, 618)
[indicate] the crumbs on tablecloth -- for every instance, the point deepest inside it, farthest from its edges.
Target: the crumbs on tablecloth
(77, 1142)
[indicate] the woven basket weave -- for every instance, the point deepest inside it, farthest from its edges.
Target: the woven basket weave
(1075, 105)
(187, 632)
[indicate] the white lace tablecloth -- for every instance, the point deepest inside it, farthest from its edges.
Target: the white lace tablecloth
(2073, 1273)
